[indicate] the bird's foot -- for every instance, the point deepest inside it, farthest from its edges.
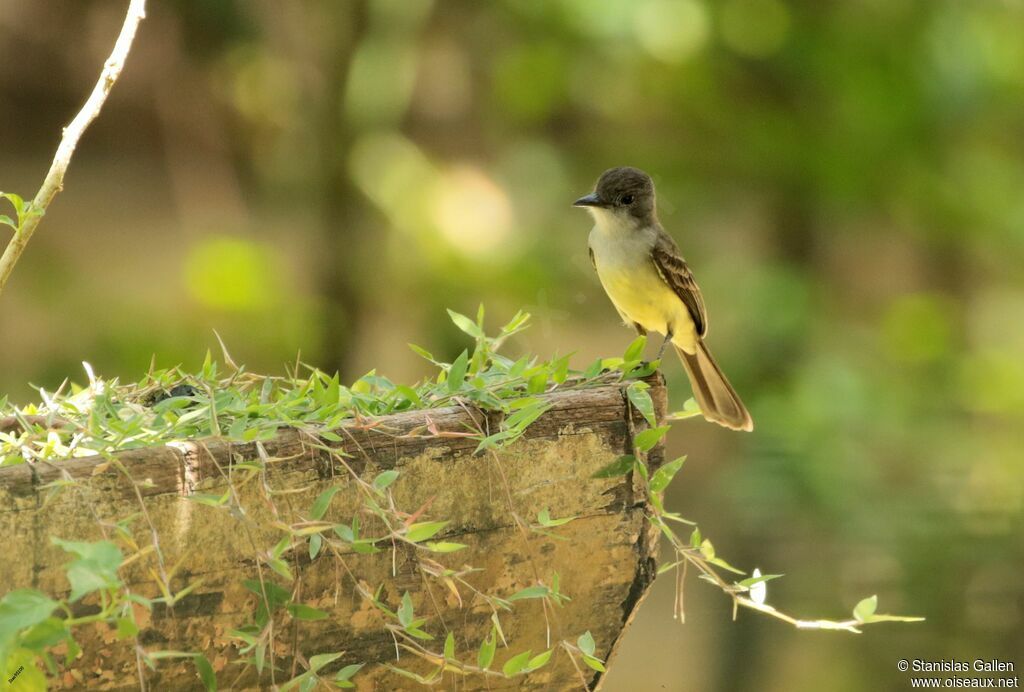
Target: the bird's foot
(661, 351)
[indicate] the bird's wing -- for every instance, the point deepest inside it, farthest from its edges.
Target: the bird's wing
(674, 272)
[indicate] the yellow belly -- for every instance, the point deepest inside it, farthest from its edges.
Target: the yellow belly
(641, 295)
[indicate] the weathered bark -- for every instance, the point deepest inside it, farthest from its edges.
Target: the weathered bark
(605, 565)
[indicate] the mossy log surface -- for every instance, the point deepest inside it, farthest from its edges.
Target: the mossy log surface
(605, 562)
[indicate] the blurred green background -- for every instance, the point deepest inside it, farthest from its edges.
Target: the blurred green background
(846, 179)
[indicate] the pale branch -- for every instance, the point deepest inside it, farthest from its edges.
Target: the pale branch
(54, 181)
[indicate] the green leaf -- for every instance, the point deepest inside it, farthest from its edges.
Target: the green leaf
(23, 608)
(410, 394)
(516, 664)
(205, 671)
(539, 661)
(405, 611)
(641, 469)
(516, 324)
(423, 530)
(646, 439)
(8, 221)
(322, 502)
(301, 611)
(751, 581)
(594, 663)
(725, 565)
(276, 593)
(594, 369)
(422, 353)
(345, 533)
(246, 637)
(641, 370)
(635, 350)
(449, 647)
(498, 438)
(537, 383)
(526, 411)
(638, 395)
(126, 628)
(485, 656)
(347, 672)
(22, 673)
(465, 324)
(530, 592)
(545, 520)
(96, 566)
(282, 545)
(560, 369)
(690, 410)
(260, 656)
(586, 643)
(315, 543)
(209, 499)
(418, 633)
(444, 546)
(320, 660)
(17, 202)
(42, 635)
(365, 547)
(281, 567)
(665, 567)
(865, 609)
(385, 479)
(664, 475)
(619, 467)
(707, 549)
(457, 372)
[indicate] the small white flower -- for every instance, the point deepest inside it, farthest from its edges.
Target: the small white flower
(758, 591)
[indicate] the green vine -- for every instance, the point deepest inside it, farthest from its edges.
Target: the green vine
(223, 400)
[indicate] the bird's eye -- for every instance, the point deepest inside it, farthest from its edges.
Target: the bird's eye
(627, 199)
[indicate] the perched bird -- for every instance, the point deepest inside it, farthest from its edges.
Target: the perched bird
(644, 274)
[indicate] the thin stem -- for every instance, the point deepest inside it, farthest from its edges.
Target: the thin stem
(54, 181)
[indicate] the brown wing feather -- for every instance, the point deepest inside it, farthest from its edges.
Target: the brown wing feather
(673, 270)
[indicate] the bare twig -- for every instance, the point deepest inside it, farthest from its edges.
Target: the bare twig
(54, 181)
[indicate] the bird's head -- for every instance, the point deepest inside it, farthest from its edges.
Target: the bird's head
(624, 196)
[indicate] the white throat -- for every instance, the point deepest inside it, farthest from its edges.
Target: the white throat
(612, 223)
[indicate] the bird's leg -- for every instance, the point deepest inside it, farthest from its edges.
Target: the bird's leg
(668, 338)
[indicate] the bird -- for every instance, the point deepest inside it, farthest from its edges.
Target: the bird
(652, 288)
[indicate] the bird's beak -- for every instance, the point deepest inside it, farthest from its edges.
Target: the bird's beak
(590, 200)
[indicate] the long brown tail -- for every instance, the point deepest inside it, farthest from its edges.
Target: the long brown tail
(718, 401)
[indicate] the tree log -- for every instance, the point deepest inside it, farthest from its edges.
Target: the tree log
(605, 564)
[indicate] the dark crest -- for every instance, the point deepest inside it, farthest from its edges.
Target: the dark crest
(628, 188)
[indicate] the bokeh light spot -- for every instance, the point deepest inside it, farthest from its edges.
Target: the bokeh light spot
(993, 382)
(473, 213)
(396, 175)
(381, 84)
(671, 30)
(607, 20)
(231, 273)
